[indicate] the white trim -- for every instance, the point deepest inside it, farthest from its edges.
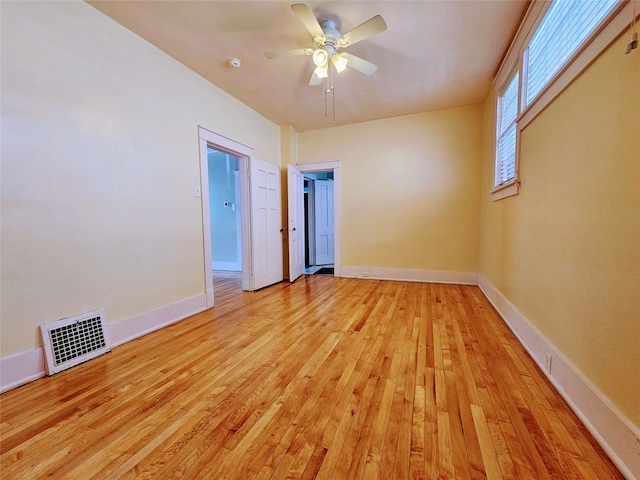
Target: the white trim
(245, 223)
(332, 165)
(511, 60)
(504, 191)
(227, 144)
(613, 431)
(410, 275)
(152, 320)
(499, 134)
(21, 368)
(24, 367)
(206, 216)
(243, 152)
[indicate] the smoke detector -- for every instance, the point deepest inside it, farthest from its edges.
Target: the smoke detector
(235, 62)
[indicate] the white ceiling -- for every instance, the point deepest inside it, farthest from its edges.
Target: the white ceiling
(433, 55)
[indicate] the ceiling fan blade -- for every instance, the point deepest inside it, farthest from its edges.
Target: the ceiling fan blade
(360, 64)
(315, 80)
(289, 53)
(309, 20)
(370, 27)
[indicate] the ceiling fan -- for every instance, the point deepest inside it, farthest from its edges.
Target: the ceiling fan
(327, 40)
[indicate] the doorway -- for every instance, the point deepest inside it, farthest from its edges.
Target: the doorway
(226, 225)
(259, 202)
(212, 141)
(224, 210)
(327, 176)
(319, 223)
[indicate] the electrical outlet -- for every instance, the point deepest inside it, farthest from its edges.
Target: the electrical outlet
(547, 361)
(365, 274)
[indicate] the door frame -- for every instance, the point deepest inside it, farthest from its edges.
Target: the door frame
(209, 139)
(310, 218)
(330, 166)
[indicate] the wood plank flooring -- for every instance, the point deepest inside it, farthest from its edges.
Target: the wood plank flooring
(324, 378)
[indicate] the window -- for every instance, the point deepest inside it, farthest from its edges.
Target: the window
(564, 28)
(505, 170)
(555, 43)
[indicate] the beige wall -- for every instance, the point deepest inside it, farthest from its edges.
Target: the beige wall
(410, 188)
(566, 250)
(99, 162)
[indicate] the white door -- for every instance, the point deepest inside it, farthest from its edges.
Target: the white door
(295, 222)
(266, 224)
(324, 222)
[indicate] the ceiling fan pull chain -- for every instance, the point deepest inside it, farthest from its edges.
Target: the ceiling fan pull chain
(325, 102)
(333, 99)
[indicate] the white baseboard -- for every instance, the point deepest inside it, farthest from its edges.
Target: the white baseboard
(147, 322)
(209, 297)
(613, 431)
(24, 367)
(409, 275)
(227, 266)
(21, 368)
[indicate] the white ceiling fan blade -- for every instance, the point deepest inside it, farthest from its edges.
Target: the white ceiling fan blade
(360, 64)
(315, 80)
(370, 27)
(289, 53)
(309, 20)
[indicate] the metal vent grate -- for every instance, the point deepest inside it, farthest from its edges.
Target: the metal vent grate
(71, 341)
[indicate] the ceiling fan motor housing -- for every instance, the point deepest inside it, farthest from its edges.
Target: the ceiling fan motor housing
(331, 35)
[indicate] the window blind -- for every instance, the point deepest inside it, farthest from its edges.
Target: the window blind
(563, 29)
(506, 141)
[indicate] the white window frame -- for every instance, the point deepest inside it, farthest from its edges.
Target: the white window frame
(509, 187)
(618, 20)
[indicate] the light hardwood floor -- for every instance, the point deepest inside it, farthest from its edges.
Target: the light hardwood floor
(324, 378)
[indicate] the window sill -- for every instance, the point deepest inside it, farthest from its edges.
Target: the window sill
(504, 191)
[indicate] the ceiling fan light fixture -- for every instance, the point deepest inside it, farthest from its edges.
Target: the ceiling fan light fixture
(339, 61)
(321, 71)
(320, 57)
